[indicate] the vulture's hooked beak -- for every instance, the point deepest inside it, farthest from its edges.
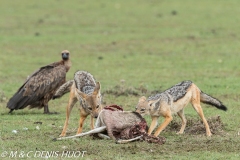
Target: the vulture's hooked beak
(65, 55)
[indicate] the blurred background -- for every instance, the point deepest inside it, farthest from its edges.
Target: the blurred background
(152, 43)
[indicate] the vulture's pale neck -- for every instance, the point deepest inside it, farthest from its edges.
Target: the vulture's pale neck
(67, 64)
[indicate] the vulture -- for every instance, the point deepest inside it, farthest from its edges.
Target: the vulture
(40, 87)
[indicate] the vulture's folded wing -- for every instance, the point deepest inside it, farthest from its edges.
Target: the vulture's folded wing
(40, 83)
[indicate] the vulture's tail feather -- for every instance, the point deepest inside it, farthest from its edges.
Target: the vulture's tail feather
(18, 101)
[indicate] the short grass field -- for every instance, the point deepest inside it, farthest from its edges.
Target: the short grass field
(134, 48)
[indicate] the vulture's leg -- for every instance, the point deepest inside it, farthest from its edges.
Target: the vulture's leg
(11, 110)
(46, 110)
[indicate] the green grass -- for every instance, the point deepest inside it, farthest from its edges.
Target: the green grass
(153, 44)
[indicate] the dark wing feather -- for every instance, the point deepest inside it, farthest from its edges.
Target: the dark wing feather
(38, 85)
(55, 64)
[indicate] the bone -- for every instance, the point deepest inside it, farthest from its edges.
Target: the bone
(96, 130)
(122, 141)
(103, 136)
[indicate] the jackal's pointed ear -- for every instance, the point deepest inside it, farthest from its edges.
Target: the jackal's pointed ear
(153, 102)
(97, 88)
(142, 99)
(81, 94)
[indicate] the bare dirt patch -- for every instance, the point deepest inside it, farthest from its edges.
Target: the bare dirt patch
(196, 126)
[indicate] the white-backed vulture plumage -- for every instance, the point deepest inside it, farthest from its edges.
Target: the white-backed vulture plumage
(40, 87)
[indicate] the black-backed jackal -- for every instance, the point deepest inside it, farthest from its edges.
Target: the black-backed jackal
(86, 90)
(173, 100)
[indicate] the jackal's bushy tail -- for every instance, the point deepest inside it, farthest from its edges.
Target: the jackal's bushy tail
(65, 88)
(212, 101)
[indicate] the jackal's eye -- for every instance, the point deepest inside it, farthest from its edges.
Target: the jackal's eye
(90, 108)
(150, 105)
(97, 106)
(143, 109)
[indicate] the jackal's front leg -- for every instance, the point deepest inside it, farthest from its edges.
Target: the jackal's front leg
(92, 122)
(71, 102)
(167, 120)
(184, 121)
(153, 124)
(81, 121)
